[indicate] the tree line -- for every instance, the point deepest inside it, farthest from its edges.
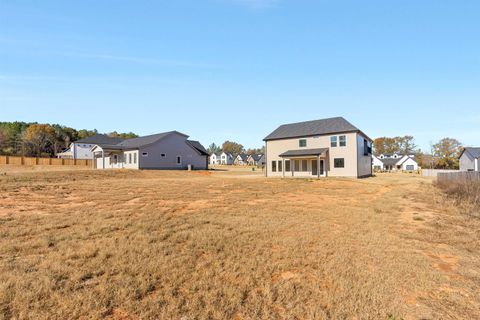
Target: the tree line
(233, 148)
(443, 154)
(42, 140)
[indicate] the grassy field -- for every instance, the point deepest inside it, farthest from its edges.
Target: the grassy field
(232, 245)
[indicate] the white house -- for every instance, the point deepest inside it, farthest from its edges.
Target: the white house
(82, 149)
(255, 160)
(221, 158)
(470, 159)
(394, 162)
(169, 150)
(241, 159)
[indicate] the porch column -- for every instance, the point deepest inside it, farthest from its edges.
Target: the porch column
(476, 165)
(318, 167)
(283, 167)
(292, 166)
(103, 159)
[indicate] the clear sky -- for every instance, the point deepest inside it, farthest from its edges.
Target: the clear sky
(236, 69)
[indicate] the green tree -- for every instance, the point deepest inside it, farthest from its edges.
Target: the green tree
(447, 152)
(40, 138)
(232, 147)
(128, 135)
(256, 151)
(407, 144)
(213, 148)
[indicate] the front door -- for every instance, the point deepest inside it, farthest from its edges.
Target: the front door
(314, 168)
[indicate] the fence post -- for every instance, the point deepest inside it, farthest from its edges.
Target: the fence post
(7, 160)
(36, 161)
(22, 161)
(49, 161)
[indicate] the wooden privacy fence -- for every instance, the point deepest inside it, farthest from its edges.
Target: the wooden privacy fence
(464, 176)
(31, 161)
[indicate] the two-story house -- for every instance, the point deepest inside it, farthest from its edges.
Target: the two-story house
(319, 148)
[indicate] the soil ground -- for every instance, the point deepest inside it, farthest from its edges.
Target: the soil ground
(88, 244)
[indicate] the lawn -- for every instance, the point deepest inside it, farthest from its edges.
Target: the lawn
(232, 245)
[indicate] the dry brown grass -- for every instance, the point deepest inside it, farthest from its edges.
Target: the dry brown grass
(197, 245)
(465, 194)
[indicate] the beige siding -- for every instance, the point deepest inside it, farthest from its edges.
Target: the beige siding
(364, 161)
(349, 153)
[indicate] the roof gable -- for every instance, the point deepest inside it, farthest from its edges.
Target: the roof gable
(474, 152)
(312, 128)
(198, 146)
(146, 140)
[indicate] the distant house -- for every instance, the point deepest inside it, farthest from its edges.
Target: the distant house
(221, 158)
(169, 150)
(255, 159)
(394, 162)
(241, 159)
(470, 159)
(319, 148)
(81, 149)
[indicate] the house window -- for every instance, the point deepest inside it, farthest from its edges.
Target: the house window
(333, 141)
(144, 154)
(343, 141)
(304, 165)
(410, 167)
(366, 148)
(302, 143)
(135, 158)
(274, 166)
(130, 158)
(179, 160)
(297, 165)
(339, 163)
(163, 155)
(287, 165)
(280, 166)
(115, 159)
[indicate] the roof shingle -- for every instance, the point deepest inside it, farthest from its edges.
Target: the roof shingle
(312, 128)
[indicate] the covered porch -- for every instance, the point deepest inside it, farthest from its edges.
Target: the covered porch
(108, 157)
(307, 163)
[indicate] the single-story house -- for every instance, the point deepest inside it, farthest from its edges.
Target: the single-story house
(82, 149)
(318, 148)
(394, 162)
(255, 159)
(241, 159)
(168, 150)
(221, 158)
(470, 159)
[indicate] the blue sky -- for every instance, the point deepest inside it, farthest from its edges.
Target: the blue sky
(236, 69)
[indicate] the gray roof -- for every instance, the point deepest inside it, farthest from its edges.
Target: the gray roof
(312, 128)
(304, 152)
(139, 142)
(474, 152)
(243, 156)
(100, 139)
(198, 146)
(256, 157)
(390, 161)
